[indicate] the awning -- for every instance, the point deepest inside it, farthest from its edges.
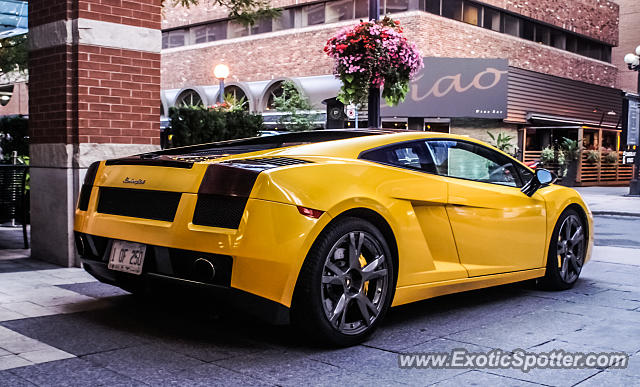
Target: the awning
(13, 18)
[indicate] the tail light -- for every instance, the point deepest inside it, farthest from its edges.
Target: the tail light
(85, 192)
(310, 212)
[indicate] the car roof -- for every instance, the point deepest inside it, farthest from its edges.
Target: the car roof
(353, 147)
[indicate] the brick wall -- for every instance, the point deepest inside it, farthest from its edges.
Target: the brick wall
(52, 96)
(629, 40)
(594, 18)
(139, 13)
(299, 53)
(118, 96)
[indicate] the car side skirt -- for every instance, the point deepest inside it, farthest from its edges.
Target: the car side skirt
(412, 293)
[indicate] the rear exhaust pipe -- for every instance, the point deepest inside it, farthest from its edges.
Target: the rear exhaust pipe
(203, 270)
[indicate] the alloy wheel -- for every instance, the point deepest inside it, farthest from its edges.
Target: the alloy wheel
(570, 249)
(355, 282)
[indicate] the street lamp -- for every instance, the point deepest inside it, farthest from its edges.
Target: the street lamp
(221, 71)
(633, 62)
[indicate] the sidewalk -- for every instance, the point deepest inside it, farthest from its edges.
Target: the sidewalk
(610, 201)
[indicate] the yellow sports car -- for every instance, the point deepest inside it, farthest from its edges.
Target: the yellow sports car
(329, 229)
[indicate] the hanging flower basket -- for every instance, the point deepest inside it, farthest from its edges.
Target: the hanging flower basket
(373, 54)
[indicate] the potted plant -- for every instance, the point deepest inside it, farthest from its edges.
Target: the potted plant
(373, 53)
(569, 169)
(610, 157)
(593, 156)
(502, 141)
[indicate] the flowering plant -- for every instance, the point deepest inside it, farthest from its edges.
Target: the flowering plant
(373, 54)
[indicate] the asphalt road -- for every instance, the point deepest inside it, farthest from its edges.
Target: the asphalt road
(618, 231)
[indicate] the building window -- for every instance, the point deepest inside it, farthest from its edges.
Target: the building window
(275, 91)
(528, 30)
(236, 30)
(285, 21)
(189, 98)
(313, 15)
(174, 38)
(543, 35)
(511, 25)
(236, 96)
(262, 26)
(432, 6)
(558, 39)
(471, 14)
(452, 9)
(339, 10)
(491, 19)
(362, 9)
(210, 32)
(572, 43)
(395, 6)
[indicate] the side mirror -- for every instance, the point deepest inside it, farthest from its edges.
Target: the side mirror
(542, 178)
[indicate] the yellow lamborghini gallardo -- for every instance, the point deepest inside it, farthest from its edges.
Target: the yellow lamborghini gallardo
(329, 229)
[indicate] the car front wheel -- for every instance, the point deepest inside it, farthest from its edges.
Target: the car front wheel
(566, 252)
(346, 284)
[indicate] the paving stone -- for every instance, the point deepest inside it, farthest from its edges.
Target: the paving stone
(6, 315)
(95, 289)
(478, 378)
(213, 375)
(79, 333)
(522, 331)
(146, 363)
(13, 361)
(384, 364)
(555, 377)
(28, 309)
(45, 355)
(9, 379)
(72, 372)
(616, 337)
(609, 378)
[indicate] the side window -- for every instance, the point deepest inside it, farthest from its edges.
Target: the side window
(469, 161)
(411, 155)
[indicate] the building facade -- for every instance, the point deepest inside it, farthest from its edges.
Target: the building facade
(629, 40)
(563, 44)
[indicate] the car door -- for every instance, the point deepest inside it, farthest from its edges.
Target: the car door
(496, 227)
(423, 195)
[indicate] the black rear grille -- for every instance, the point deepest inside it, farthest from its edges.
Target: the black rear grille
(269, 162)
(137, 203)
(219, 211)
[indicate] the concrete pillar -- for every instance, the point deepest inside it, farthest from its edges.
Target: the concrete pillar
(94, 93)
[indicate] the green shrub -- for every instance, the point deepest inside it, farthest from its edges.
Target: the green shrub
(593, 156)
(570, 148)
(611, 157)
(198, 125)
(548, 156)
(14, 136)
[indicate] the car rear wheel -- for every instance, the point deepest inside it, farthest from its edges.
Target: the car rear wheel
(566, 252)
(346, 284)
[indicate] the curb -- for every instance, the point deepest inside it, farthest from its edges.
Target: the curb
(615, 213)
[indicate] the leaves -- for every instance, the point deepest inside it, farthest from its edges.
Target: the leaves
(297, 109)
(198, 125)
(13, 54)
(502, 141)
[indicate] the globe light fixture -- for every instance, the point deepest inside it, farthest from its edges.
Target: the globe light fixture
(221, 72)
(638, 50)
(632, 60)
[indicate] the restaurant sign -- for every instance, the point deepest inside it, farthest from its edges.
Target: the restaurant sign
(456, 87)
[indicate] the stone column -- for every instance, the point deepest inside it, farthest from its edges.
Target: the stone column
(94, 93)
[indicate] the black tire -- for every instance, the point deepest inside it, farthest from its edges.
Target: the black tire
(317, 297)
(566, 255)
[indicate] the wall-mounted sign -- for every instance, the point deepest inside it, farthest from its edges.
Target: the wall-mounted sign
(456, 87)
(633, 122)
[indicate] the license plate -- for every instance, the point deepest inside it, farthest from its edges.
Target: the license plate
(127, 257)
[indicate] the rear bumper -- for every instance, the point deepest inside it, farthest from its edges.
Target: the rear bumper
(251, 304)
(266, 250)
